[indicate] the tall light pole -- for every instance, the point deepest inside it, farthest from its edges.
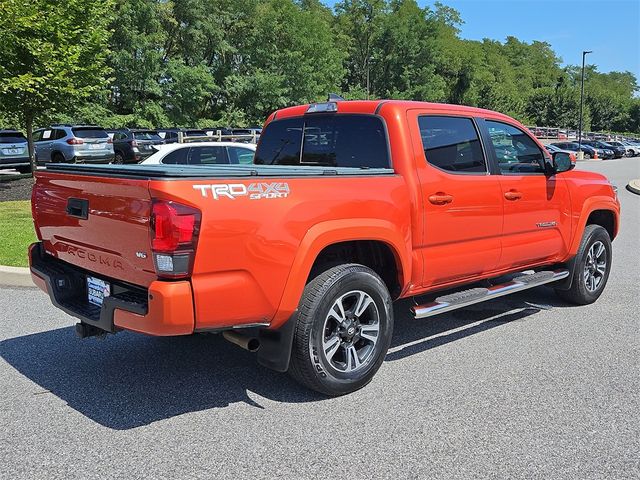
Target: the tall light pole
(580, 154)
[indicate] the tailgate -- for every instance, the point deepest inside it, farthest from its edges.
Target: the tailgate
(97, 223)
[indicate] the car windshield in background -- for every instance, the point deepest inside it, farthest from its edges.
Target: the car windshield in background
(195, 133)
(90, 132)
(12, 137)
(151, 135)
(356, 141)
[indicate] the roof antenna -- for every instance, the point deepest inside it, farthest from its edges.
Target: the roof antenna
(333, 97)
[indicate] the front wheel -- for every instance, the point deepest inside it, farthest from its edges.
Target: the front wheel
(593, 264)
(343, 330)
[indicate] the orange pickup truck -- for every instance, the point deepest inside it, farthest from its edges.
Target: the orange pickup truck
(349, 205)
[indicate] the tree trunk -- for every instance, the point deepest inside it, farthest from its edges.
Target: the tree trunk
(29, 125)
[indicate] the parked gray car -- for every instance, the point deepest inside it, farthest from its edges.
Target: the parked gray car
(14, 152)
(73, 144)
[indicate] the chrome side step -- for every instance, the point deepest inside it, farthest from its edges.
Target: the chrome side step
(464, 298)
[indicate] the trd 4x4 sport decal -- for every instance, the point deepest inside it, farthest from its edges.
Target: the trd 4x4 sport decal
(255, 191)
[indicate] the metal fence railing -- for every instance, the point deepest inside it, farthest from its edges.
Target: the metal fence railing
(567, 134)
(218, 136)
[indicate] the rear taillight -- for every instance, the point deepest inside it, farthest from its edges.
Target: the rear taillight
(110, 140)
(75, 141)
(174, 236)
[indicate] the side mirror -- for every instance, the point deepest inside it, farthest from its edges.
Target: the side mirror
(562, 162)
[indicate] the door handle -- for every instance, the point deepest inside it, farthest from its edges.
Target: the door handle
(440, 198)
(512, 195)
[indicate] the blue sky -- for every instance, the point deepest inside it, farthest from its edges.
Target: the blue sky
(611, 28)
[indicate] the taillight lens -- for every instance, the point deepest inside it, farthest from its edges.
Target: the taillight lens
(174, 236)
(110, 140)
(75, 141)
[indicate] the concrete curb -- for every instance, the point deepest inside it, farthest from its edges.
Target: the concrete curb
(634, 186)
(15, 277)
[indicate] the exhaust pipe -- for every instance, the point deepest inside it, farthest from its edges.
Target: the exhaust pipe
(251, 344)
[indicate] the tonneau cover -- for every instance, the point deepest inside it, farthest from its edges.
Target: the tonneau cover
(209, 171)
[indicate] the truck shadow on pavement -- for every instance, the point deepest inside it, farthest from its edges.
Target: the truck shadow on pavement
(130, 380)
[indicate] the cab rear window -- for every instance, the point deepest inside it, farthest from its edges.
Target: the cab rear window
(352, 141)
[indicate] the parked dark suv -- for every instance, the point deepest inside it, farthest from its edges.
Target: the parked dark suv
(134, 145)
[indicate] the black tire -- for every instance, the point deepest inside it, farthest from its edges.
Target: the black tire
(25, 169)
(583, 289)
(57, 158)
(118, 159)
(310, 364)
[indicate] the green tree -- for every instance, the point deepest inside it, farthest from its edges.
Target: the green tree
(359, 23)
(136, 57)
(291, 57)
(53, 54)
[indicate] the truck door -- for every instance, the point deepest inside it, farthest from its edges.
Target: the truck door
(462, 201)
(537, 213)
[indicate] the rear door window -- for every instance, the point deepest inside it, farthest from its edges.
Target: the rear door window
(90, 132)
(47, 135)
(452, 144)
(352, 141)
(207, 156)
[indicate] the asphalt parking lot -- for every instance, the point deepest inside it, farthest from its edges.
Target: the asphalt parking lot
(524, 386)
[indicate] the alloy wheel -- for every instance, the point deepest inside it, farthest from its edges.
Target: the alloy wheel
(595, 266)
(351, 331)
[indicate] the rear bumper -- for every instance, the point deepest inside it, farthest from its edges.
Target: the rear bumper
(79, 158)
(164, 309)
(6, 162)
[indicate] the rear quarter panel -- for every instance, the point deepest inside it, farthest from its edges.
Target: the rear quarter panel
(250, 249)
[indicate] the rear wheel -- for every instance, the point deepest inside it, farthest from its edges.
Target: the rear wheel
(593, 264)
(343, 330)
(118, 159)
(57, 158)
